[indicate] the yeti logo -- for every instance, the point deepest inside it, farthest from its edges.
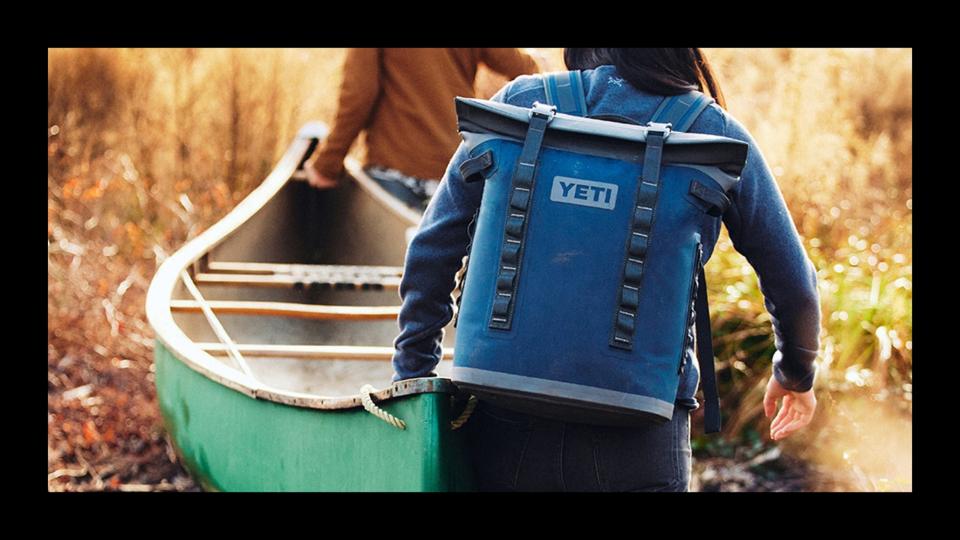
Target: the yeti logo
(584, 192)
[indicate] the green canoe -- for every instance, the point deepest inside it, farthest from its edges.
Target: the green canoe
(275, 332)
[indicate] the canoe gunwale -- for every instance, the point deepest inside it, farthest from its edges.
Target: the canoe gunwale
(171, 337)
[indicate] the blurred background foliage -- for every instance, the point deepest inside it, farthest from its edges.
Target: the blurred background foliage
(146, 148)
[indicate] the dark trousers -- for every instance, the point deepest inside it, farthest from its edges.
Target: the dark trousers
(513, 451)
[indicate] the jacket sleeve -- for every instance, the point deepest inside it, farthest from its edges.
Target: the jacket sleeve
(433, 258)
(762, 230)
(510, 63)
(359, 91)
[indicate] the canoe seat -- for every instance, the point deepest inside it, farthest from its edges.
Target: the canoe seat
(316, 280)
(298, 269)
(299, 276)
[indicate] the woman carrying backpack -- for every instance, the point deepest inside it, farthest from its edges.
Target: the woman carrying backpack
(511, 450)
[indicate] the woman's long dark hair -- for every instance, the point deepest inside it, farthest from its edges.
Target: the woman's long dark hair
(664, 72)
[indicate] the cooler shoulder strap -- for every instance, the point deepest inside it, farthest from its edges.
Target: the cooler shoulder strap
(681, 110)
(564, 90)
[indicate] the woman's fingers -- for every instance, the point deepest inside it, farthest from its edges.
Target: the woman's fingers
(796, 409)
(782, 416)
(799, 421)
(793, 423)
(771, 395)
(782, 419)
(769, 404)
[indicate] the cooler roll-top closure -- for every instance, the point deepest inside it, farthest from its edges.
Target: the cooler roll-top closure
(480, 121)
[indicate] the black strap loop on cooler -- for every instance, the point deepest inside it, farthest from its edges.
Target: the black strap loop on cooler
(515, 226)
(708, 375)
(472, 169)
(717, 201)
(625, 317)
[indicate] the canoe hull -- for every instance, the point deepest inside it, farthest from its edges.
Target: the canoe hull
(231, 442)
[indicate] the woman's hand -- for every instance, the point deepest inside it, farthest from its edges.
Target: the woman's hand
(318, 180)
(796, 412)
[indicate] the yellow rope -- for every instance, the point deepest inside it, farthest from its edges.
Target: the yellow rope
(372, 408)
(377, 411)
(462, 419)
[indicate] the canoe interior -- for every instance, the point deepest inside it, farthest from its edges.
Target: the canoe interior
(303, 225)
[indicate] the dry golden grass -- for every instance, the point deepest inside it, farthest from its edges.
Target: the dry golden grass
(148, 147)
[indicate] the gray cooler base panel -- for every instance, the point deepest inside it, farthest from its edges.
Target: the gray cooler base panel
(563, 401)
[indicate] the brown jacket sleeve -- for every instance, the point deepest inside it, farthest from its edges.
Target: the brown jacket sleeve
(358, 95)
(510, 63)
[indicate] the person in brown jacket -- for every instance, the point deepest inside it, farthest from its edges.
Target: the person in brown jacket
(404, 100)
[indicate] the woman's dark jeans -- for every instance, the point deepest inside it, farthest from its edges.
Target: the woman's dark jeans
(513, 451)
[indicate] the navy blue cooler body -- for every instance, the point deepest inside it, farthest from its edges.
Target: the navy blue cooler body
(586, 260)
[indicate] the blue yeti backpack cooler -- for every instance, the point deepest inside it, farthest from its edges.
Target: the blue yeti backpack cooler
(581, 288)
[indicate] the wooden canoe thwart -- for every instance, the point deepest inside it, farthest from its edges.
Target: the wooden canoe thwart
(275, 334)
(289, 309)
(312, 351)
